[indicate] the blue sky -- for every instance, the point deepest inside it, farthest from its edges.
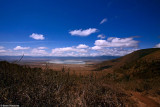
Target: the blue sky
(78, 27)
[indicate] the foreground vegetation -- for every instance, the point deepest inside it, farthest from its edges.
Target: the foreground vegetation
(136, 72)
(25, 86)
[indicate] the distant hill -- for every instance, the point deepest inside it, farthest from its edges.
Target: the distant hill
(150, 54)
(143, 63)
(138, 71)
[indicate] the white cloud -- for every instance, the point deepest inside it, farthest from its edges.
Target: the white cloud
(60, 50)
(37, 36)
(38, 52)
(81, 46)
(68, 49)
(81, 32)
(1, 47)
(72, 51)
(96, 48)
(80, 50)
(33, 52)
(42, 48)
(95, 52)
(21, 48)
(157, 46)
(101, 36)
(91, 51)
(9, 52)
(114, 51)
(113, 46)
(117, 42)
(2, 50)
(103, 21)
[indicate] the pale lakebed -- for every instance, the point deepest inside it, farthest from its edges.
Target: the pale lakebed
(67, 62)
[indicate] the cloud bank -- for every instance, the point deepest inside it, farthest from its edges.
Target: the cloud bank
(112, 46)
(117, 42)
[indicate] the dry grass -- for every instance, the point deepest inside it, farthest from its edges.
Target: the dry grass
(27, 86)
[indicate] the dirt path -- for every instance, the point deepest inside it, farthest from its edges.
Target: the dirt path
(144, 101)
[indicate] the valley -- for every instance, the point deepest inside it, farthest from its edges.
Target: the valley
(131, 80)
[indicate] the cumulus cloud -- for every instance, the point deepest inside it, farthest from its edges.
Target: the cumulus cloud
(113, 46)
(96, 48)
(80, 50)
(39, 51)
(42, 48)
(117, 42)
(157, 46)
(114, 51)
(68, 49)
(103, 21)
(21, 48)
(82, 46)
(37, 36)
(101, 36)
(81, 32)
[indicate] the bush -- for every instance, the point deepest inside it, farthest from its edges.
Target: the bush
(25, 86)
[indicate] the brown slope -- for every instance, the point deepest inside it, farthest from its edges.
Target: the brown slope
(146, 101)
(153, 56)
(132, 57)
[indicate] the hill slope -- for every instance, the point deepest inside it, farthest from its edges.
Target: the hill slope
(138, 71)
(144, 54)
(147, 66)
